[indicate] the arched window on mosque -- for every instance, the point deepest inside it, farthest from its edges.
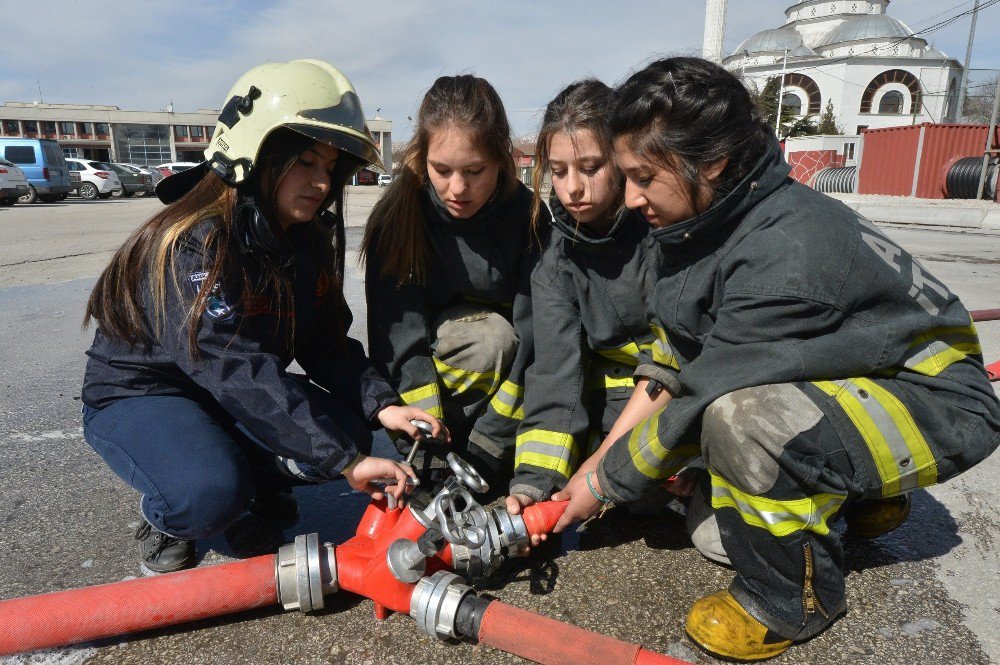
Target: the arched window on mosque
(792, 103)
(892, 102)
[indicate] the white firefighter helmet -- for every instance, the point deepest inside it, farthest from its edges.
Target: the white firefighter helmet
(311, 97)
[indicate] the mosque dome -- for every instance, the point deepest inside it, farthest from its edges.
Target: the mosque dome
(866, 27)
(771, 41)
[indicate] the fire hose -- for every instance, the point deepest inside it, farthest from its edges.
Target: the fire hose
(400, 557)
(993, 369)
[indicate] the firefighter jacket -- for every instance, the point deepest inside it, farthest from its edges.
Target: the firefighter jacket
(244, 350)
(778, 283)
(589, 296)
(487, 260)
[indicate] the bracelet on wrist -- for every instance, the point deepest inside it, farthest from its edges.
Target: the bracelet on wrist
(597, 495)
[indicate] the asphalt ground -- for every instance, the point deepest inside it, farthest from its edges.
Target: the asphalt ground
(927, 593)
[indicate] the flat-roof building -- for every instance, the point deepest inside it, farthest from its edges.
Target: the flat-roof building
(108, 133)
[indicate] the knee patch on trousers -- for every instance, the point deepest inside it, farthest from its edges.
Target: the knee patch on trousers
(475, 339)
(745, 432)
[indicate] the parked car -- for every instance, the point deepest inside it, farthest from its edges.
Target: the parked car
(171, 168)
(43, 165)
(151, 171)
(13, 184)
(366, 177)
(133, 181)
(384, 179)
(97, 179)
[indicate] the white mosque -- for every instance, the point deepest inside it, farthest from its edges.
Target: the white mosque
(851, 52)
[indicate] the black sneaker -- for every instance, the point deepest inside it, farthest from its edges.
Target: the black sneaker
(278, 506)
(162, 553)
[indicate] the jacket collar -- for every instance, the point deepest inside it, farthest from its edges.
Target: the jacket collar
(435, 210)
(767, 176)
(628, 225)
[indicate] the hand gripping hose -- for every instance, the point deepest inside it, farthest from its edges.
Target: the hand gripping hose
(80, 615)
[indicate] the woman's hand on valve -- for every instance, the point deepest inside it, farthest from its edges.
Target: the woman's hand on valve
(516, 503)
(582, 492)
(364, 470)
(397, 418)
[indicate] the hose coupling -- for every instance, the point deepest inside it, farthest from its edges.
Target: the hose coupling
(304, 572)
(435, 602)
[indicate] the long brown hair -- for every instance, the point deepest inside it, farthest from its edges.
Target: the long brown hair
(395, 234)
(585, 104)
(146, 260)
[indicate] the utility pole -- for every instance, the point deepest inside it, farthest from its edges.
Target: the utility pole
(990, 148)
(781, 95)
(968, 61)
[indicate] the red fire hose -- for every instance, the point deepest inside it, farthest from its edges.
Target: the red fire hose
(90, 613)
(544, 640)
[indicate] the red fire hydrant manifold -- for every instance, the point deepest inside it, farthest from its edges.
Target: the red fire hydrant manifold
(406, 557)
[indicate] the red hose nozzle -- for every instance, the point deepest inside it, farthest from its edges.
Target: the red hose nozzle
(542, 517)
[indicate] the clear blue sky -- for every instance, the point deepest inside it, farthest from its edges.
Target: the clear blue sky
(143, 55)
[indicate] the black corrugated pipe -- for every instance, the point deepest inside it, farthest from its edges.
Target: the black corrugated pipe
(963, 178)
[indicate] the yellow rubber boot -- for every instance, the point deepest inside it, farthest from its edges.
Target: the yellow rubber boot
(873, 518)
(720, 626)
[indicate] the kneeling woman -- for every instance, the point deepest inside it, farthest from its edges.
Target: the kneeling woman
(187, 394)
(449, 251)
(588, 294)
(821, 367)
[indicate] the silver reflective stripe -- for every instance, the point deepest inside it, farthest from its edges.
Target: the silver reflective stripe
(892, 437)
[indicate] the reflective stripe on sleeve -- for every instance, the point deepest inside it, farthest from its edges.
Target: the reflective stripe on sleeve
(546, 449)
(627, 355)
(901, 454)
(780, 518)
(649, 456)
(426, 397)
(662, 353)
(933, 351)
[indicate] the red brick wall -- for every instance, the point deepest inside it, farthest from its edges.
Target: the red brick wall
(808, 163)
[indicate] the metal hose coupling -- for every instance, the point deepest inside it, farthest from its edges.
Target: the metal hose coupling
(304, 572)
(435, 604)
(505, 535)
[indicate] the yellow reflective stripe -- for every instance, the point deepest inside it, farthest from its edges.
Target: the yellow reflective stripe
(426, 397)
(901, 455)
(460, 380)
(921, 457)
(780, 518)
(662, 353)
(617, 382)
(627, 355)
(509, 400)
(934, 350)
(546, 449)
(649, 456)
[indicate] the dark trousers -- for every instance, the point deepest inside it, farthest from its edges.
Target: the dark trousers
(195, 468)
(784, 459)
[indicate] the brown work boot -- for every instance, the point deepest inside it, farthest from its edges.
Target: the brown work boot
(719, 625)
(876, 517)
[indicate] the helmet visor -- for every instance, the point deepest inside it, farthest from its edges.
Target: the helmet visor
(363, 150)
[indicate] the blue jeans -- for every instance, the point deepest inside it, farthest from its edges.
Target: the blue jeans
(195, 467)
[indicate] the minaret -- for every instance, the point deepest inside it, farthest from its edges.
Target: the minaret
(715, 29)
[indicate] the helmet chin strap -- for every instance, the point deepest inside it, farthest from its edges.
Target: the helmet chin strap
(256, 235)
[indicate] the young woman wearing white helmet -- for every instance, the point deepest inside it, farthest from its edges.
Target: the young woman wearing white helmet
(187, 394)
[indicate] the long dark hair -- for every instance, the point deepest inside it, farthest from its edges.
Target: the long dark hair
(395, 233)
(685, 114)
(584, 104)
(146, 259)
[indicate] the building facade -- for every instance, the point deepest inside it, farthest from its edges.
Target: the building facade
(107, 133)
(850, 52)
